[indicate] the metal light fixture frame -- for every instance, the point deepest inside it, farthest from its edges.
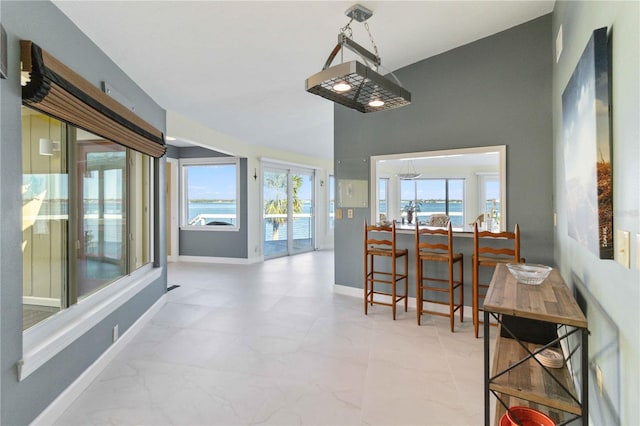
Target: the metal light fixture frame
(366, 84)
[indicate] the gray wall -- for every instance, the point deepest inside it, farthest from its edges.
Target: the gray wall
(43, 23)
(495, 91)
(609, 292)
(228, 244)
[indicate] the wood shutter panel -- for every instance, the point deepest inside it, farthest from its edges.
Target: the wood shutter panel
(56, 90)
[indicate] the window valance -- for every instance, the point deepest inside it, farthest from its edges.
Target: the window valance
(56, 90)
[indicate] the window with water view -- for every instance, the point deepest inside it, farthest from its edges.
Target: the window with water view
(210, 193)
(85, 214)
(435, 196)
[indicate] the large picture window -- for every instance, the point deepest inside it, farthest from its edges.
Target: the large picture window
(85, 217)
(467, 184)
(210, 198)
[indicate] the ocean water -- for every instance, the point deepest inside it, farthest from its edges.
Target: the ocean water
(456, 210)
(226, 212)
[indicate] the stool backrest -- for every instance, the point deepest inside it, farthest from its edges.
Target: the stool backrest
(423, 242)
(379, 236)
(509, 250)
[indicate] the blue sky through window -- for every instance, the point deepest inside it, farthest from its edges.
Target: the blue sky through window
(212, 182)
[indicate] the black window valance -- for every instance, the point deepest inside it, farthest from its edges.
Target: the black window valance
(56, 90)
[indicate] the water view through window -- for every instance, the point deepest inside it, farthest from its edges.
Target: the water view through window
(210, 191)
(465, 184)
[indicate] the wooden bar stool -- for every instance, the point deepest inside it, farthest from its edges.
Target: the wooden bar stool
(504, 248)
(381, 241)
(430, 247)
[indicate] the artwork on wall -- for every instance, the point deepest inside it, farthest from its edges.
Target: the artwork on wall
(587, 149)
(3, 52)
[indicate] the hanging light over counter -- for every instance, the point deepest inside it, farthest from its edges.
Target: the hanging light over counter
(354, 84)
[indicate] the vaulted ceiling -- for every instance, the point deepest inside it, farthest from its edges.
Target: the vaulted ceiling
(239, 67)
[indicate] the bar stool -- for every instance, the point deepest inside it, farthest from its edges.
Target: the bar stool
(380, 240)
(428, 250)
(504, 248)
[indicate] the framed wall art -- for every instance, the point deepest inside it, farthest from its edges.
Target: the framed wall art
(587, 149)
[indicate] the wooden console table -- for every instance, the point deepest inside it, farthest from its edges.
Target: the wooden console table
(517, 377)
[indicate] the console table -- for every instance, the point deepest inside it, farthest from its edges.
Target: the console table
(517, 377)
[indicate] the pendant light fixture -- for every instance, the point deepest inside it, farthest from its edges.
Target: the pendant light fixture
(353, 84)
(409, 173)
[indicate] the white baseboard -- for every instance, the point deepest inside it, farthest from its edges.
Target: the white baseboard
(227, 260)
(51, 414)
(358, 292)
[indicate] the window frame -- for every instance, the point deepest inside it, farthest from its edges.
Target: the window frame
(184, 202)
(44, 340)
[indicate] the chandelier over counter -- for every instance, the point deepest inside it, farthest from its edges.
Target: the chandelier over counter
(353, 84)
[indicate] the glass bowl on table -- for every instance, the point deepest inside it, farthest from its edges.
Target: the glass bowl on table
(529, 273)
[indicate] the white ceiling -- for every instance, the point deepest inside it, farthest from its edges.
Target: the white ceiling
(239, 67)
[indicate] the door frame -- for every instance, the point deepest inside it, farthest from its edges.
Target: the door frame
(289, 168)
(173, 189)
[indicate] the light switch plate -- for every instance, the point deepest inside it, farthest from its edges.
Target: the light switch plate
(623, 246)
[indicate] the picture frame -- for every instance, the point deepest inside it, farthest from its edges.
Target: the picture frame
(586, 112)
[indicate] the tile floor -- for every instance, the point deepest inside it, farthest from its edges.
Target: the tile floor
(271, 343)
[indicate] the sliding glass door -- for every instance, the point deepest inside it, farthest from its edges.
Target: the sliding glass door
(303, 217)
(288, 214)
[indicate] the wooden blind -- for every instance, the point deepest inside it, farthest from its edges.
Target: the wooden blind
(56, 90)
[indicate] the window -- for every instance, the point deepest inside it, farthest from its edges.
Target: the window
(332, 202)
(452, 176)
(489, 197)
(435, 196)
(383, 198)
(210, 193)
(85, 216)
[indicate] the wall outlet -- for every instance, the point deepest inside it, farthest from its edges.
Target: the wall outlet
(115, 332)
(349, 213)
(623, 247)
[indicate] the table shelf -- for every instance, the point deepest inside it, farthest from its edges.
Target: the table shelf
(529, 380)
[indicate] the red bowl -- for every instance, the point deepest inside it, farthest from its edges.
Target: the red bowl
(504, 420)
(528, 417)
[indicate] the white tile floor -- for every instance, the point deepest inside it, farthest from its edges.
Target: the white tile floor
(271, 343)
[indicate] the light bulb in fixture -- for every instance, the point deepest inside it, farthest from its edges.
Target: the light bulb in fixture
(342, 86)
(375, 103)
